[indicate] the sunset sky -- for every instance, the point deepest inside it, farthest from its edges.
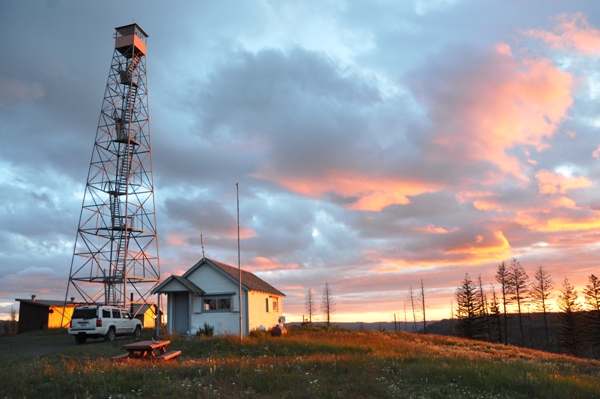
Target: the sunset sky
(376, 143)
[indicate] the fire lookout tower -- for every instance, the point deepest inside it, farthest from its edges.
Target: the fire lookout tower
(115, 257)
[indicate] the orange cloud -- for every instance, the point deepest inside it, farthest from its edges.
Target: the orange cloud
(496, 247)
(373, 193)
(556, 183)
(386, 269)
(560, 214)
(563, 224)
(488, 205)
(571, 33)
(481, 249)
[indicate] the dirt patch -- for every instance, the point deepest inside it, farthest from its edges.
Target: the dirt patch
(22, 346)
(54, 343)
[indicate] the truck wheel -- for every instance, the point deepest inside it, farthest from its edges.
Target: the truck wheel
(138, 332)
(80, 339)
(110, 335)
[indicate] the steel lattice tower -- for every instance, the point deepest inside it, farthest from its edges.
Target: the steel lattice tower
(115, 257)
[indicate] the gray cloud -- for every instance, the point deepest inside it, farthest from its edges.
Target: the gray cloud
(311, 108)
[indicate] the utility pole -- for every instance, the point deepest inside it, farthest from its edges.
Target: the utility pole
(237, 189)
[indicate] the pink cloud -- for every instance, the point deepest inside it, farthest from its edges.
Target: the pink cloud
(373, 192)
(479, 112)
(556, 183)
(260, 263)
(19, 90)
(570, 33)
(497, 105)
(431, 229)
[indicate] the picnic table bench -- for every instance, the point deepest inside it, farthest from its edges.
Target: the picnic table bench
(153, 350)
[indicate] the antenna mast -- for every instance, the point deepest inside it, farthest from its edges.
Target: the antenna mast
(202, 241)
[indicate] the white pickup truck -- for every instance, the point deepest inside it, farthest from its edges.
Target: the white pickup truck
(96, 321)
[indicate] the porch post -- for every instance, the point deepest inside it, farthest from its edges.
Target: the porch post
(158, 316)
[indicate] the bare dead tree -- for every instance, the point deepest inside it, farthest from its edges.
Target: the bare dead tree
(11, 326)
(327, 304)
(412, 303)
(309, 305)
(405, 320)
(423, 307)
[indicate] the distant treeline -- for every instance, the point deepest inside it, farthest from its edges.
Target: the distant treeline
(486, 313)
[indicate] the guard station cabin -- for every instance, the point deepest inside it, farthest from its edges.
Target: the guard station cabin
(208, 293)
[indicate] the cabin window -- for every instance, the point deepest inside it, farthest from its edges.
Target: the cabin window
(275, 305)
(217, 303)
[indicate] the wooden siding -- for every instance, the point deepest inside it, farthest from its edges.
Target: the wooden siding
(214, 282)
(174, 285)
(260, 319)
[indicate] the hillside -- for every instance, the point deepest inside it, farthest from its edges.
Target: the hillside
(534, 332)
(306, 363)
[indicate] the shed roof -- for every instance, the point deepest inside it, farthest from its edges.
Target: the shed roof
(251, 281)
(48, 302)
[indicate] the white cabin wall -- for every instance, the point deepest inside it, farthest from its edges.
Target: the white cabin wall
(214, 282)
(260, 319)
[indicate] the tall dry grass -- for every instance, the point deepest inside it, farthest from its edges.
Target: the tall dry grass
(308, 363)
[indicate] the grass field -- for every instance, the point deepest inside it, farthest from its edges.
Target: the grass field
(306, 363)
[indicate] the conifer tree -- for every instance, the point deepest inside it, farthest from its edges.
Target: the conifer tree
(494, 314)
(502, 277)
(469, 310)
(483, 300)
(540, 293)
(518, 283)
(592, 302)
(569, 326)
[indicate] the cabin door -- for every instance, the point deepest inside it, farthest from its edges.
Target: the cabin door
(181, 312)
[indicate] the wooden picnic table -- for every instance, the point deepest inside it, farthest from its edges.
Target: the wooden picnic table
(148, 350)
